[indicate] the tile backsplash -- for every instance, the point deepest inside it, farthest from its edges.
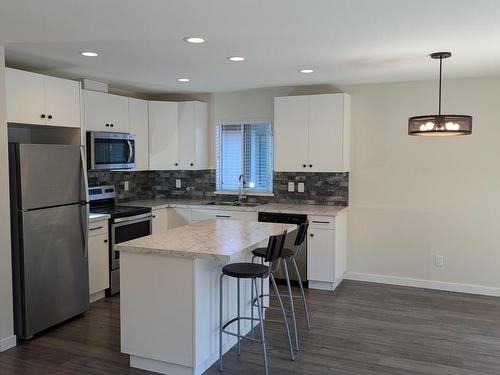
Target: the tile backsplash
(319, 188)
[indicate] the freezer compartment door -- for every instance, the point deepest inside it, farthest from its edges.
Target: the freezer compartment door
(55, 266)
(50, 175)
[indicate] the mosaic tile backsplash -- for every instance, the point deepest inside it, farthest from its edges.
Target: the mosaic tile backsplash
(320, 188)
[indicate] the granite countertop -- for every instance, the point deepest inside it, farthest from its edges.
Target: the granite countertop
(220, 240)
(97, 217)
(305, 209)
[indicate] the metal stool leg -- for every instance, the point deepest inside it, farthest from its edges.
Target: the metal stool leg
(285, 320)
(220, 322)
(306, 309)
(263, 338)
(251, 311)
(239, 325)
(292, 307)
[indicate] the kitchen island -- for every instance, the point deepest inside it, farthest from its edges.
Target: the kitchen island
(169, 304)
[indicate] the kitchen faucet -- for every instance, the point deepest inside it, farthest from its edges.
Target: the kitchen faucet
(241, 191)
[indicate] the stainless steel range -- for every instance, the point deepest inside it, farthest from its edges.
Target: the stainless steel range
(126, 223)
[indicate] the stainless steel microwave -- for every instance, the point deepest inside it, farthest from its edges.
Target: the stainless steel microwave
(106, 151)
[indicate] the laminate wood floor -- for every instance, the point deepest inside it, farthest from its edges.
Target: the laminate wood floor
(363, 329)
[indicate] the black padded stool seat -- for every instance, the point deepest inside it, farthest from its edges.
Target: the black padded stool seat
(245, 270)
(261, 253)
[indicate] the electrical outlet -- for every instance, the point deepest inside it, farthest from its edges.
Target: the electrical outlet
(291, 187)
(300, 187)
(178, 183)
(126, 186)
(439, 260)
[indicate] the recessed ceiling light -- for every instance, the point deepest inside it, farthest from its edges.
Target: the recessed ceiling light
(236, 58)
(89, 54)
(194, 39)
(182, 79)
(306, 71)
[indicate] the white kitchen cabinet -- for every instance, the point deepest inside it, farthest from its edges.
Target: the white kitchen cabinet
(163, 135)
(177, 217)
(205, 214)
(192, 135)
(38, 99)
(321, 255)
(105, 112)
(62, 102)
(159, 221)
(327, 251)
(291, 133)
(139, 126)
(98, 257)
(312, 133)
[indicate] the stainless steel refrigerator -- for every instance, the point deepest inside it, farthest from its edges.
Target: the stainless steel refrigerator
(49, 220)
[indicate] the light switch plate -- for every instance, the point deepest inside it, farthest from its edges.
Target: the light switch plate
(126, 186)
(300, 187)
(291, 187)
(178, 183)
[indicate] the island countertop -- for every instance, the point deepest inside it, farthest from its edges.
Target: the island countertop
(222, 240)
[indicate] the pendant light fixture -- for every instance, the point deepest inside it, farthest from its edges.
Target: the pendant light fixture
(440, 125)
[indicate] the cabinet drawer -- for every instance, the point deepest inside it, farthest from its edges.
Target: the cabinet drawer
(98, 227)
(205, 214)
(322, 222)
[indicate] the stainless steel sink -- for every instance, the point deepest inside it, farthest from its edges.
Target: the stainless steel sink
(248, 204)
(233, 204)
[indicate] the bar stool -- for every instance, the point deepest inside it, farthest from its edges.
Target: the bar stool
(254, 271)
(287, 256)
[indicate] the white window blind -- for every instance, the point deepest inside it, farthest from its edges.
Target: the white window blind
(245, 149)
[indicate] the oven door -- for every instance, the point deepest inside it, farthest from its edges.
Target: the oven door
(126, 229)
(110, 150)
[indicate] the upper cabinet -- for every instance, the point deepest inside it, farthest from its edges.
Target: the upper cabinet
(177, 135)
(312, 133)
(192, 135)
(163, 135)
(138, 114)
(42, 100)
(105, 112)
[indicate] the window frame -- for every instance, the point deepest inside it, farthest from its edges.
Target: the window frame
(217, 149)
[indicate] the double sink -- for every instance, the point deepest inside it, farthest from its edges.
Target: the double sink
(234, 204)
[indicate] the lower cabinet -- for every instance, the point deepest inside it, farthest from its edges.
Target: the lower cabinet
(326, 251)
(98, 256)
(205, 214)
(159, 224)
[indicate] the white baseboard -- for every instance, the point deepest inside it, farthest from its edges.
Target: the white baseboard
(7, 343)
(97, 296)
(428, 284)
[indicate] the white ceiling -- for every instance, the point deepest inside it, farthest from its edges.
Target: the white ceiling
(344, 41)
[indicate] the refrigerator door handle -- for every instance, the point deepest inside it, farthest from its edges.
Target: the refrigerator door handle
(84, 202)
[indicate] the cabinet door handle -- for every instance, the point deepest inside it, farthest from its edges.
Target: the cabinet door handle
(310, 165)
(154, 216)
(96, 228)
(105, 241)
(107, 125)
(111, 125)
(42, 116)
(321, 222)
(312, 235)
(191, 164)
(176, 164)
(49, 117)
(304, 165)
(222, 216)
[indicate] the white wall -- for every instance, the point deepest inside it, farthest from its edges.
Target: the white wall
(413, 198)
(6, 319)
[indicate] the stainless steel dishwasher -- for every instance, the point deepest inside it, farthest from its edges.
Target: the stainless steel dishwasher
(284, 218)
